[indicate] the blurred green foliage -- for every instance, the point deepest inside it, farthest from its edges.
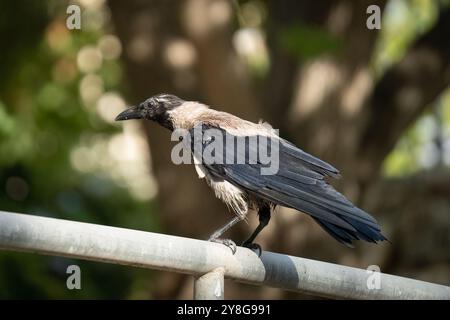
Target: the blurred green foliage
(306, 42)
(404, 21)
(42, 120)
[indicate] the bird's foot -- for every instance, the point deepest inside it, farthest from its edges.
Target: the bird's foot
(252, 246)
(226, 242)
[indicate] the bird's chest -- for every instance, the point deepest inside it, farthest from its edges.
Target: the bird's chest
(233, 196)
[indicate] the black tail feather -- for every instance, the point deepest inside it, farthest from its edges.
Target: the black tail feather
(346, 237)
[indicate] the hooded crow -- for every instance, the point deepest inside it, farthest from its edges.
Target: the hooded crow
(299, 180)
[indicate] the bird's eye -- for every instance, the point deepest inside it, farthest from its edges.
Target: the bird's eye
(154, 102)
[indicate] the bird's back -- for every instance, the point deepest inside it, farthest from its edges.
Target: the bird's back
(299, 183)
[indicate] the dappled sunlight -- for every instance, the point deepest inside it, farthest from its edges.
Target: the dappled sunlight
(401, 19)
(64, 71)
(249, 40)
(131, 153)
(318, 80)
(58, 37)
(417, 149)
(202, 17)
(356, 92)
(369, 102)
(180, 53)
(409, 98)
(92, 4)
(340, 18)
(141, 48)
(89, 59)
(123, 157)
(96, 14)
(17, 188)
(109, 105)
(110, 47)
(91, 89)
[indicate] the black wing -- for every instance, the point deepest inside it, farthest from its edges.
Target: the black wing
(299, 183)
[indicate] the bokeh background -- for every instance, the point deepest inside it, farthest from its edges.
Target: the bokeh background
(374, 103)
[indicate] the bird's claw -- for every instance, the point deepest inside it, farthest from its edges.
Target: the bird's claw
(252, 246)
(227, 242)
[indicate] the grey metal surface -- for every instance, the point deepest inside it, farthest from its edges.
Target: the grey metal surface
(158, 251)
(210, 285)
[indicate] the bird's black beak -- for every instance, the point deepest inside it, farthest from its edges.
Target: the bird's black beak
(130, 113)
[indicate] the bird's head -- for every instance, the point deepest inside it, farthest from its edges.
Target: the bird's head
(156, 108)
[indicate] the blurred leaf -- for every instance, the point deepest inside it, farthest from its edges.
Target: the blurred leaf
(306, 42)
(17, 37)
(6, 122)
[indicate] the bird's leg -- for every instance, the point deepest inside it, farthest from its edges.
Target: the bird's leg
(264, 217)
(229, 243)
(223, 229)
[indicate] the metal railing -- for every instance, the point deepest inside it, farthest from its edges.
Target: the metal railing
(208, 262)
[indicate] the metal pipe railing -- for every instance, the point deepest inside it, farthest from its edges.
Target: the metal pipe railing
(208, 262)
(210, 285)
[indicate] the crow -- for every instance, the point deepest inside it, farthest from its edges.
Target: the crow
(299, 181)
